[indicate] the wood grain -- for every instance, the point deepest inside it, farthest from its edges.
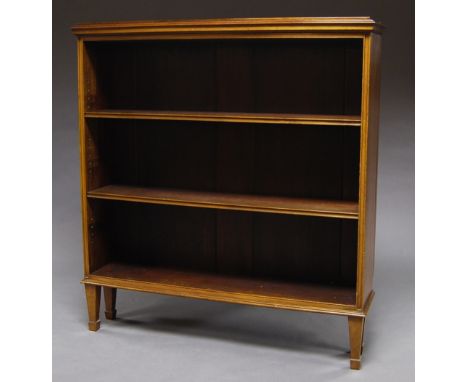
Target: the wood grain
(298, 119)
(356, 335)
(250, 25)
(368, 166)
(254, 291)
(269, 126)
(224, 201)
(372, 160)
(93, 299)
(110, 296)
(311, 77)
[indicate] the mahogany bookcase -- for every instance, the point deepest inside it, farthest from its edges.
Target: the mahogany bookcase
(231, 160)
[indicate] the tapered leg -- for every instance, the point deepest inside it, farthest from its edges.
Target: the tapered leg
(356, 334)
(93, 298)
(110, 295)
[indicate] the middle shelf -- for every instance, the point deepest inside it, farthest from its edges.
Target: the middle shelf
(206, 116)
(227, 201)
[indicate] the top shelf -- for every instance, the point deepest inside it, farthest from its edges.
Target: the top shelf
(294, 119)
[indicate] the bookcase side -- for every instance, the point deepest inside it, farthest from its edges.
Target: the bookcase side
(368, 167)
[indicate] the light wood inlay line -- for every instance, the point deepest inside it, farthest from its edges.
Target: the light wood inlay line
(297, 119)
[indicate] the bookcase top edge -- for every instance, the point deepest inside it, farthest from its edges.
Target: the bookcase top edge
(275, 24)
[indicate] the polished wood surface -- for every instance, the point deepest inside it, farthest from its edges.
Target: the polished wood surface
(356, 337)
(268, 126)
(372, 164)
(251, 25)
(110, 295)
(368, 166)
(297, 119)
(236, 202)
(93, 299)
(220, 287)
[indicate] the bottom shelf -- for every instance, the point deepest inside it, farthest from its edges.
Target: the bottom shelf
(252, 291)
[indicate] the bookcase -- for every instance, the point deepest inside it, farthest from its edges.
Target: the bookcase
(231, 160)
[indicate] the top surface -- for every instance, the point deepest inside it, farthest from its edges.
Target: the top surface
(275, 24)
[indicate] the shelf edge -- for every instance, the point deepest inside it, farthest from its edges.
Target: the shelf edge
(274, 210)
(223, 296)
(227, 117)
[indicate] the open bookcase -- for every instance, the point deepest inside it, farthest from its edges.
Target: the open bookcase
(231, 160)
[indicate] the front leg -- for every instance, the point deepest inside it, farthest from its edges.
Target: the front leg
(356, 333)
(93, 298)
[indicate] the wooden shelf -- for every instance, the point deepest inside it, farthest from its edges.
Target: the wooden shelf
(290, 295)
(296, 119)
(237, 202)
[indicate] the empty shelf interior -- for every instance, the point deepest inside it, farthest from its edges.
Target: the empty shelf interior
(310, 76)
(198, 284)
(284, 248)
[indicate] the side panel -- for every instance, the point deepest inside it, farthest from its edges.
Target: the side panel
(83, 167)
(90, 169)
(368, 166)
